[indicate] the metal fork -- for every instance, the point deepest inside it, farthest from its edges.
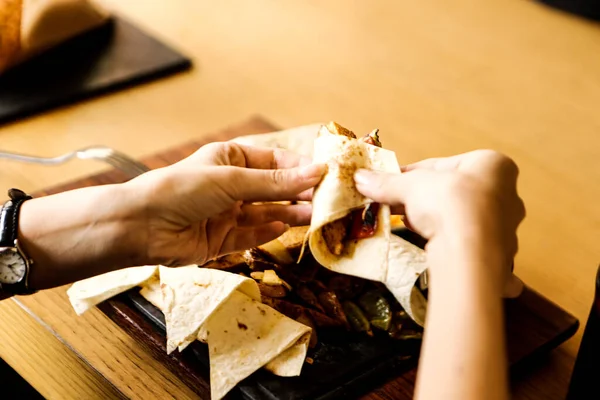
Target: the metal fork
(105, 154)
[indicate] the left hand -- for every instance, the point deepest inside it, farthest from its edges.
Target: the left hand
(201, 207)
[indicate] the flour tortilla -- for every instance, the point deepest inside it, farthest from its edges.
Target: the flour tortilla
(151, 291)
(300, 140)
(43, 24)
(383, 257)
(336, 196)
(192, 294)
(288, 363)
(87, 293)
(406, 263)
(243, 336)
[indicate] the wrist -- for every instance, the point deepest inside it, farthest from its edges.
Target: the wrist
(81, 233)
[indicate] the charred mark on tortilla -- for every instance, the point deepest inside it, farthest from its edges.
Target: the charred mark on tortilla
(242, 326)
(361, 223)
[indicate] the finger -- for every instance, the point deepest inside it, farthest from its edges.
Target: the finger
(241, 155)
(293, 215)
(271, 184)
(243, 238)
(266, 157)
(387, 188)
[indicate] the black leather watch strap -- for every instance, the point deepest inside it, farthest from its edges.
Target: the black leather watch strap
(9, 217)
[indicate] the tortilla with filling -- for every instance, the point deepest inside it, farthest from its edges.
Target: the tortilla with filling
(336, 197)
(87, 293)
(30, 27)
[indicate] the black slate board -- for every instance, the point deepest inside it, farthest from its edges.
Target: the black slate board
(112, 57)
(344, 365)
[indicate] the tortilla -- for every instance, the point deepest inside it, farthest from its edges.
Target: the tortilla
(87, 293)
(151, 291)
(406, 262)
(382, 257)
(244, 335)
(191, 294)
(336, 196)
(300, 140)
(35, 26)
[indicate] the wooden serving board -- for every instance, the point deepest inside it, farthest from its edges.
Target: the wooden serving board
(534, 325)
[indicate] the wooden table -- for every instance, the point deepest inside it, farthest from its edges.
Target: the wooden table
(436, 77)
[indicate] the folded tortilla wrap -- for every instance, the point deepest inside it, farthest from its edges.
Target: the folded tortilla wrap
(244, 335)
(336, 196)
(192, 294)
(87, 293)
(30, 27)
(288, 363)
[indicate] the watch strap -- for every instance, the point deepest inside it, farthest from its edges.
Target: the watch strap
(9, 217)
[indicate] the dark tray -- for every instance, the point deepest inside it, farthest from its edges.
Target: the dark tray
(111, 57)
(349, 365)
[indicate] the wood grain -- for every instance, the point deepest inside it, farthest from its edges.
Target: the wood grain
(436, 77)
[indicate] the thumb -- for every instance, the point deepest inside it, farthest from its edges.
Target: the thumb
(387, 188)
(274, 184)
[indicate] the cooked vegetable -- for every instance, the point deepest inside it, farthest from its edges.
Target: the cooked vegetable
(364, 222)
(372, 138)
(257, 275)
(377, 309)
(357, 319)
(271, 278)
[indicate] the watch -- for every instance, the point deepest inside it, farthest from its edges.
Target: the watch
(14, 263)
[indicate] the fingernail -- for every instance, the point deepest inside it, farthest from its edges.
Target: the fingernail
(363, 176)
(312, 171)
(286, 227)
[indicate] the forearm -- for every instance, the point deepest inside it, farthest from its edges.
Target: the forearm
(81, 233)
(463, 354)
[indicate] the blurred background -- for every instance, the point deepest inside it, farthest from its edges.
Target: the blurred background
(437, 78)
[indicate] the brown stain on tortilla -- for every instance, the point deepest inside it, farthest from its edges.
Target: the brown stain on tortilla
(242, 326)
(258, 337)
(262, 312)
(204, 285)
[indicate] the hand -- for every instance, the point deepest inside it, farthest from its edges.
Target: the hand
(200, 208)
(468, 198)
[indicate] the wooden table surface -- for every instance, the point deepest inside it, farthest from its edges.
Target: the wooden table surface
(437, 78)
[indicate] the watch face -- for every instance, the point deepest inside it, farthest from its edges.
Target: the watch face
(12, 267)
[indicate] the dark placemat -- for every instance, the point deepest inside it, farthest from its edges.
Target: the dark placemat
(112, 57)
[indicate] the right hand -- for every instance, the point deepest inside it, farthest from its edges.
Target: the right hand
(470, 198)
